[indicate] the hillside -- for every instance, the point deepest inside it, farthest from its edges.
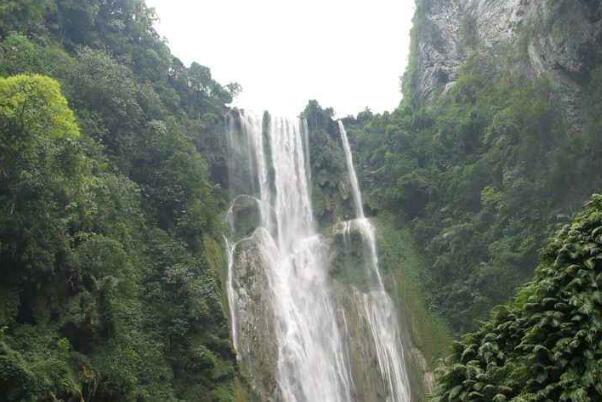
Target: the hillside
(110, 233)
(494, 145)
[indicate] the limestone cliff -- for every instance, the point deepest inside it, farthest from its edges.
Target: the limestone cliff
(556, 37)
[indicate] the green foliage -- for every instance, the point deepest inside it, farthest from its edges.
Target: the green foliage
(41, 171)
(34, 106)
(481, 176)
(545, 345)
(23, 15)
(403, 269)
(36, 363)
(109, 223)
(331, 193)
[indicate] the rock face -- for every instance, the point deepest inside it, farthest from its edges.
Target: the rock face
(358, 298)
(557, 37)
(257, 346)
(368, 385)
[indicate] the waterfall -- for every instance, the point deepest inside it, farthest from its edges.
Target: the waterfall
(289, 326)
(311, 360)
(378, 306)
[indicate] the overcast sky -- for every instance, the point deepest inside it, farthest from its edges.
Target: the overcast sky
(347, 54)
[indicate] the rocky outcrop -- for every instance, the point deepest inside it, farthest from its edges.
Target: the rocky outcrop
(256, 344)
(367, 381)
(564, 36)
(559, 37)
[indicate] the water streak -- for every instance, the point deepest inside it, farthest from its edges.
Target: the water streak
(378, 306)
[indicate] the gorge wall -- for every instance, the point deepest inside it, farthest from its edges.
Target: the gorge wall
(550, 37)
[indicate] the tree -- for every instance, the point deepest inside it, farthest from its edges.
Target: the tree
(32, 106)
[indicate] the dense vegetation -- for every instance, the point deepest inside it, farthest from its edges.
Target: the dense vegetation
(331, 191)
(546, 344)
(110, 241)
(482, 175)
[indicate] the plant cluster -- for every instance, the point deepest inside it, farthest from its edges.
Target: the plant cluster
(546, 344)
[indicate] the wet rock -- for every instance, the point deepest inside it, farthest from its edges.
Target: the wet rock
(244, 216)
(257, 347)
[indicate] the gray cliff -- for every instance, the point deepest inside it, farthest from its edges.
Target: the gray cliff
(556, 37)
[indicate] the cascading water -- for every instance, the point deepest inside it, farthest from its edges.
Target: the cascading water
(289, 327)
(311, 362)
(378, 306)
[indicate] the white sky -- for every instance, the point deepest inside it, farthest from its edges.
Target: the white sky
(347, 54)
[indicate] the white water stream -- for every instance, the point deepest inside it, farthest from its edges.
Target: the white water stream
(312, 362)
(378, 306)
